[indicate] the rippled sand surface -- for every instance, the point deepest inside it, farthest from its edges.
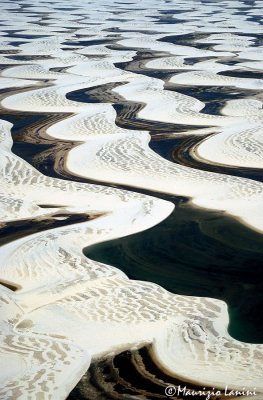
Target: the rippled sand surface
(117, 119)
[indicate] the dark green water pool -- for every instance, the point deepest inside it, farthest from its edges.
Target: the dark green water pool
(201, 253)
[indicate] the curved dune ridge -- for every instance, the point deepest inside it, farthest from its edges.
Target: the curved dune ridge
(96, 82)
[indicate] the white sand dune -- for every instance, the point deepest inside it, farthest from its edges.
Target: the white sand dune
(168, 106)
(235, 146)
(69, 310)
(151, 43)
(207, 78)
(178, 63)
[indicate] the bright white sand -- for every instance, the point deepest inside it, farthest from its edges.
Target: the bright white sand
(70, 309)
(207, 78)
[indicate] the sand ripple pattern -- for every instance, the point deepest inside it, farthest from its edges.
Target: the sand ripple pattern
(59, 309)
